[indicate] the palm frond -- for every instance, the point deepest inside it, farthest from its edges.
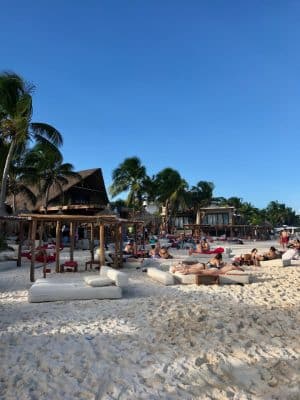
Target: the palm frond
(46, 131)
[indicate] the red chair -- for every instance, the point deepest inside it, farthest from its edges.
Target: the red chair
(69, 264)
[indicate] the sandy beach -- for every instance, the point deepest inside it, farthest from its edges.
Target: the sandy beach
(157, 342)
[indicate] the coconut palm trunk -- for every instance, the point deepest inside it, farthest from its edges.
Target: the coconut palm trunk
(5, 177)
(198, 217)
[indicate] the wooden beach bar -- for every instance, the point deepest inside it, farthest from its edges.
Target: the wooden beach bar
(37, 224)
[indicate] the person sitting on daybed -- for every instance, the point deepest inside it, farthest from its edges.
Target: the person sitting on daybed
(215, 266)
(272, 254)
(129, 248)
(164, 253)
(201, 247)
(155, 249)
(246, 259)
(204, 245)
(293, 252)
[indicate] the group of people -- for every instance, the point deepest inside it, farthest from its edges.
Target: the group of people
(156, 251)
(253, 258)
(159, 252)
(215, 266)
(202, 246)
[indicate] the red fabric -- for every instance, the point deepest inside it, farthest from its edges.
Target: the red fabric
(41, 258)
(218, 250)
(70, 264)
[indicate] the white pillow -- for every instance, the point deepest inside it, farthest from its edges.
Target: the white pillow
(120, 278)
(98, 281)
(163, 277)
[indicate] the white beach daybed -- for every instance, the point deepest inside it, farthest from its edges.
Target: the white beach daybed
(106, 285)
(277, 262)
(168, 278)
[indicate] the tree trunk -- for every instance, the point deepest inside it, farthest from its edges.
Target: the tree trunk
(14, 204)
(46, 200)
(4, 178)
(198, 217)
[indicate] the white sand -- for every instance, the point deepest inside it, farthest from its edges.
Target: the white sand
(157, 342)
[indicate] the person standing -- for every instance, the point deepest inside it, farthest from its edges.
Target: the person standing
(284, 238)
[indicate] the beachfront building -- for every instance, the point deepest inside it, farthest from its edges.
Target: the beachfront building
(223, 221)
(84, 195)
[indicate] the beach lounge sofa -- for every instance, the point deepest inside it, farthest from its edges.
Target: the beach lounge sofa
(106, 285)
(277, 262)
(168, 278)
(164, 277)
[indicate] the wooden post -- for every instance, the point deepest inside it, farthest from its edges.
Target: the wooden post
(21, 238)
(72, 231)
(116, 246)
(101, 244)
(29, 231)
(41, 231)
(33, 235)
(57, 247)
(121, 244)
(92, 242)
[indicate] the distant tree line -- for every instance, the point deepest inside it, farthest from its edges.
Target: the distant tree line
(169, 190)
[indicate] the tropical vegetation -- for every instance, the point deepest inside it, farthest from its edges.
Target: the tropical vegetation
(16, 127)
(172, 194)
(30, 157)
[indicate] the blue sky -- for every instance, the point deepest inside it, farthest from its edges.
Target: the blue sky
(209, 88)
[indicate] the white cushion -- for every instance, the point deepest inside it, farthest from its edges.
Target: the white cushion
(161, 276)
(290, 254)
(278, 262)
(234, 277)
(71, 291)
(98, 281)
(120, 278)
(187, 279)
(230, 277)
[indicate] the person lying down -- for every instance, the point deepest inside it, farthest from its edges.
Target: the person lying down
(215, 266)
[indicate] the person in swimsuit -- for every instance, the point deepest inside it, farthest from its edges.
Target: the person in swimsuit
(284, 238)
(215, 266)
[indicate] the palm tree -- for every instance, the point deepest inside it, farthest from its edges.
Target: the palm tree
(51, 172)
(15, 123)
(129, 176)
(17, 185)
(201, 196)
(171, 192)
(279, 214)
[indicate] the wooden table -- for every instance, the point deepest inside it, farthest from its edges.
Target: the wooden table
(91, 263)
(207, 279)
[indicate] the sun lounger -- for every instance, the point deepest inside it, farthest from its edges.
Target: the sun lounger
(54, 291)
(164, 277)
(106, 285)
(234, 277)
(168, 278)
(278, 262)
(188, 279)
